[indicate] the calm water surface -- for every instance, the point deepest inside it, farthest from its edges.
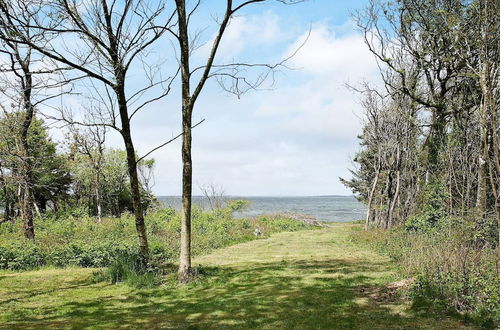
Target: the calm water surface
(324, 208)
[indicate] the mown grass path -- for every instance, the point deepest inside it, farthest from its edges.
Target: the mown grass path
(315, 279)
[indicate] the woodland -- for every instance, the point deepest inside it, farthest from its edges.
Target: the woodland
(429, 164)
(82, 215)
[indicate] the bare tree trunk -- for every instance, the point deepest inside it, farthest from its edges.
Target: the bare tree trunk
(488, 81)
(370, 199)
(187, 168)
(187, 177)
(36, 208)
(396, 192)
(481, 198)
(98, 196)
(7, 215)
(134, 178)
(482, 174)
(27, 213)
(98, 204)
(26, 174)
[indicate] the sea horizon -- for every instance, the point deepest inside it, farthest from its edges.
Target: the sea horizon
(328, 208)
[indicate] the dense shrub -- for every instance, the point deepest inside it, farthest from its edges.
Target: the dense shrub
(434, 208)
(19, 255)
(452, 268)
(72, 238)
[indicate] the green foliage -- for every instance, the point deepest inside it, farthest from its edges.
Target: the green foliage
(20, 255)
(471, 292)
(453, 270)
(238, 205)
(50, 173)
(280, 223)
(71, 238)
(50, 170)
(109, 174)
(433, 208)
(126, 268)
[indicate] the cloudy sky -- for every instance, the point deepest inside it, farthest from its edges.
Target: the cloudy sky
(294, 139)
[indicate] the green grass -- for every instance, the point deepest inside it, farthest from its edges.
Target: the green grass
(314, 279)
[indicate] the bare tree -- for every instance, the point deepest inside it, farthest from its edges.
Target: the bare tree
(28, 81)
(386, 175)
(214, 195)
(232, 79)
(91, 143)
(101, 41)
(486, 40)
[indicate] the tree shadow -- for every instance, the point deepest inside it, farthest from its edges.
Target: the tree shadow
(28, 292)
(305, 294)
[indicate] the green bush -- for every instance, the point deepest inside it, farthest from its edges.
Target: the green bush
(238, 205)
(78, 240)
(434, 208)
(279, 223)
(20, 255)
(451, 269)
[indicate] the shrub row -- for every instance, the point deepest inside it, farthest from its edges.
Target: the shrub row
(78, 240)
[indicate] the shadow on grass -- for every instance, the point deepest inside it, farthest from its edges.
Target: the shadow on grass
(292, 295)
(34, 293)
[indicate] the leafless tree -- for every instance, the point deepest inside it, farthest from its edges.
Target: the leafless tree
(91, 143)
(214, 195)
(230, 75)
(27, 82)
(101, 41)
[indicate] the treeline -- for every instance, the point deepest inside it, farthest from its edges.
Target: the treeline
(430, 146)
(79, 174)
(429, 164)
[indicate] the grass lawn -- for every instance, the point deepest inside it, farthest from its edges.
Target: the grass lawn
(316, 279)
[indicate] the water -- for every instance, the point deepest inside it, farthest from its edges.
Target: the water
(324, 208)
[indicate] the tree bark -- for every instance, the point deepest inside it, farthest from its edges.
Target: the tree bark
(98, 205)
(7, 215)
(98, 195)
(482, 174)
(184, 272)
(396, 192)
(132, 171)
(370, 199)
(435, 143)
(25, 159)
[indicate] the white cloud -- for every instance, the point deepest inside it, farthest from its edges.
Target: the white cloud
(247, 33)
(327, 54)
(320, 102)
(294, 140)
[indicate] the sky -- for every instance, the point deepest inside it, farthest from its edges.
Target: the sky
(295, 138)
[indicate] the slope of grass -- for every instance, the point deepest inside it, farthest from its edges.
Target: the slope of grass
(315, 279)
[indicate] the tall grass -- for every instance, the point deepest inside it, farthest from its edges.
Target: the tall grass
(452, 268)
